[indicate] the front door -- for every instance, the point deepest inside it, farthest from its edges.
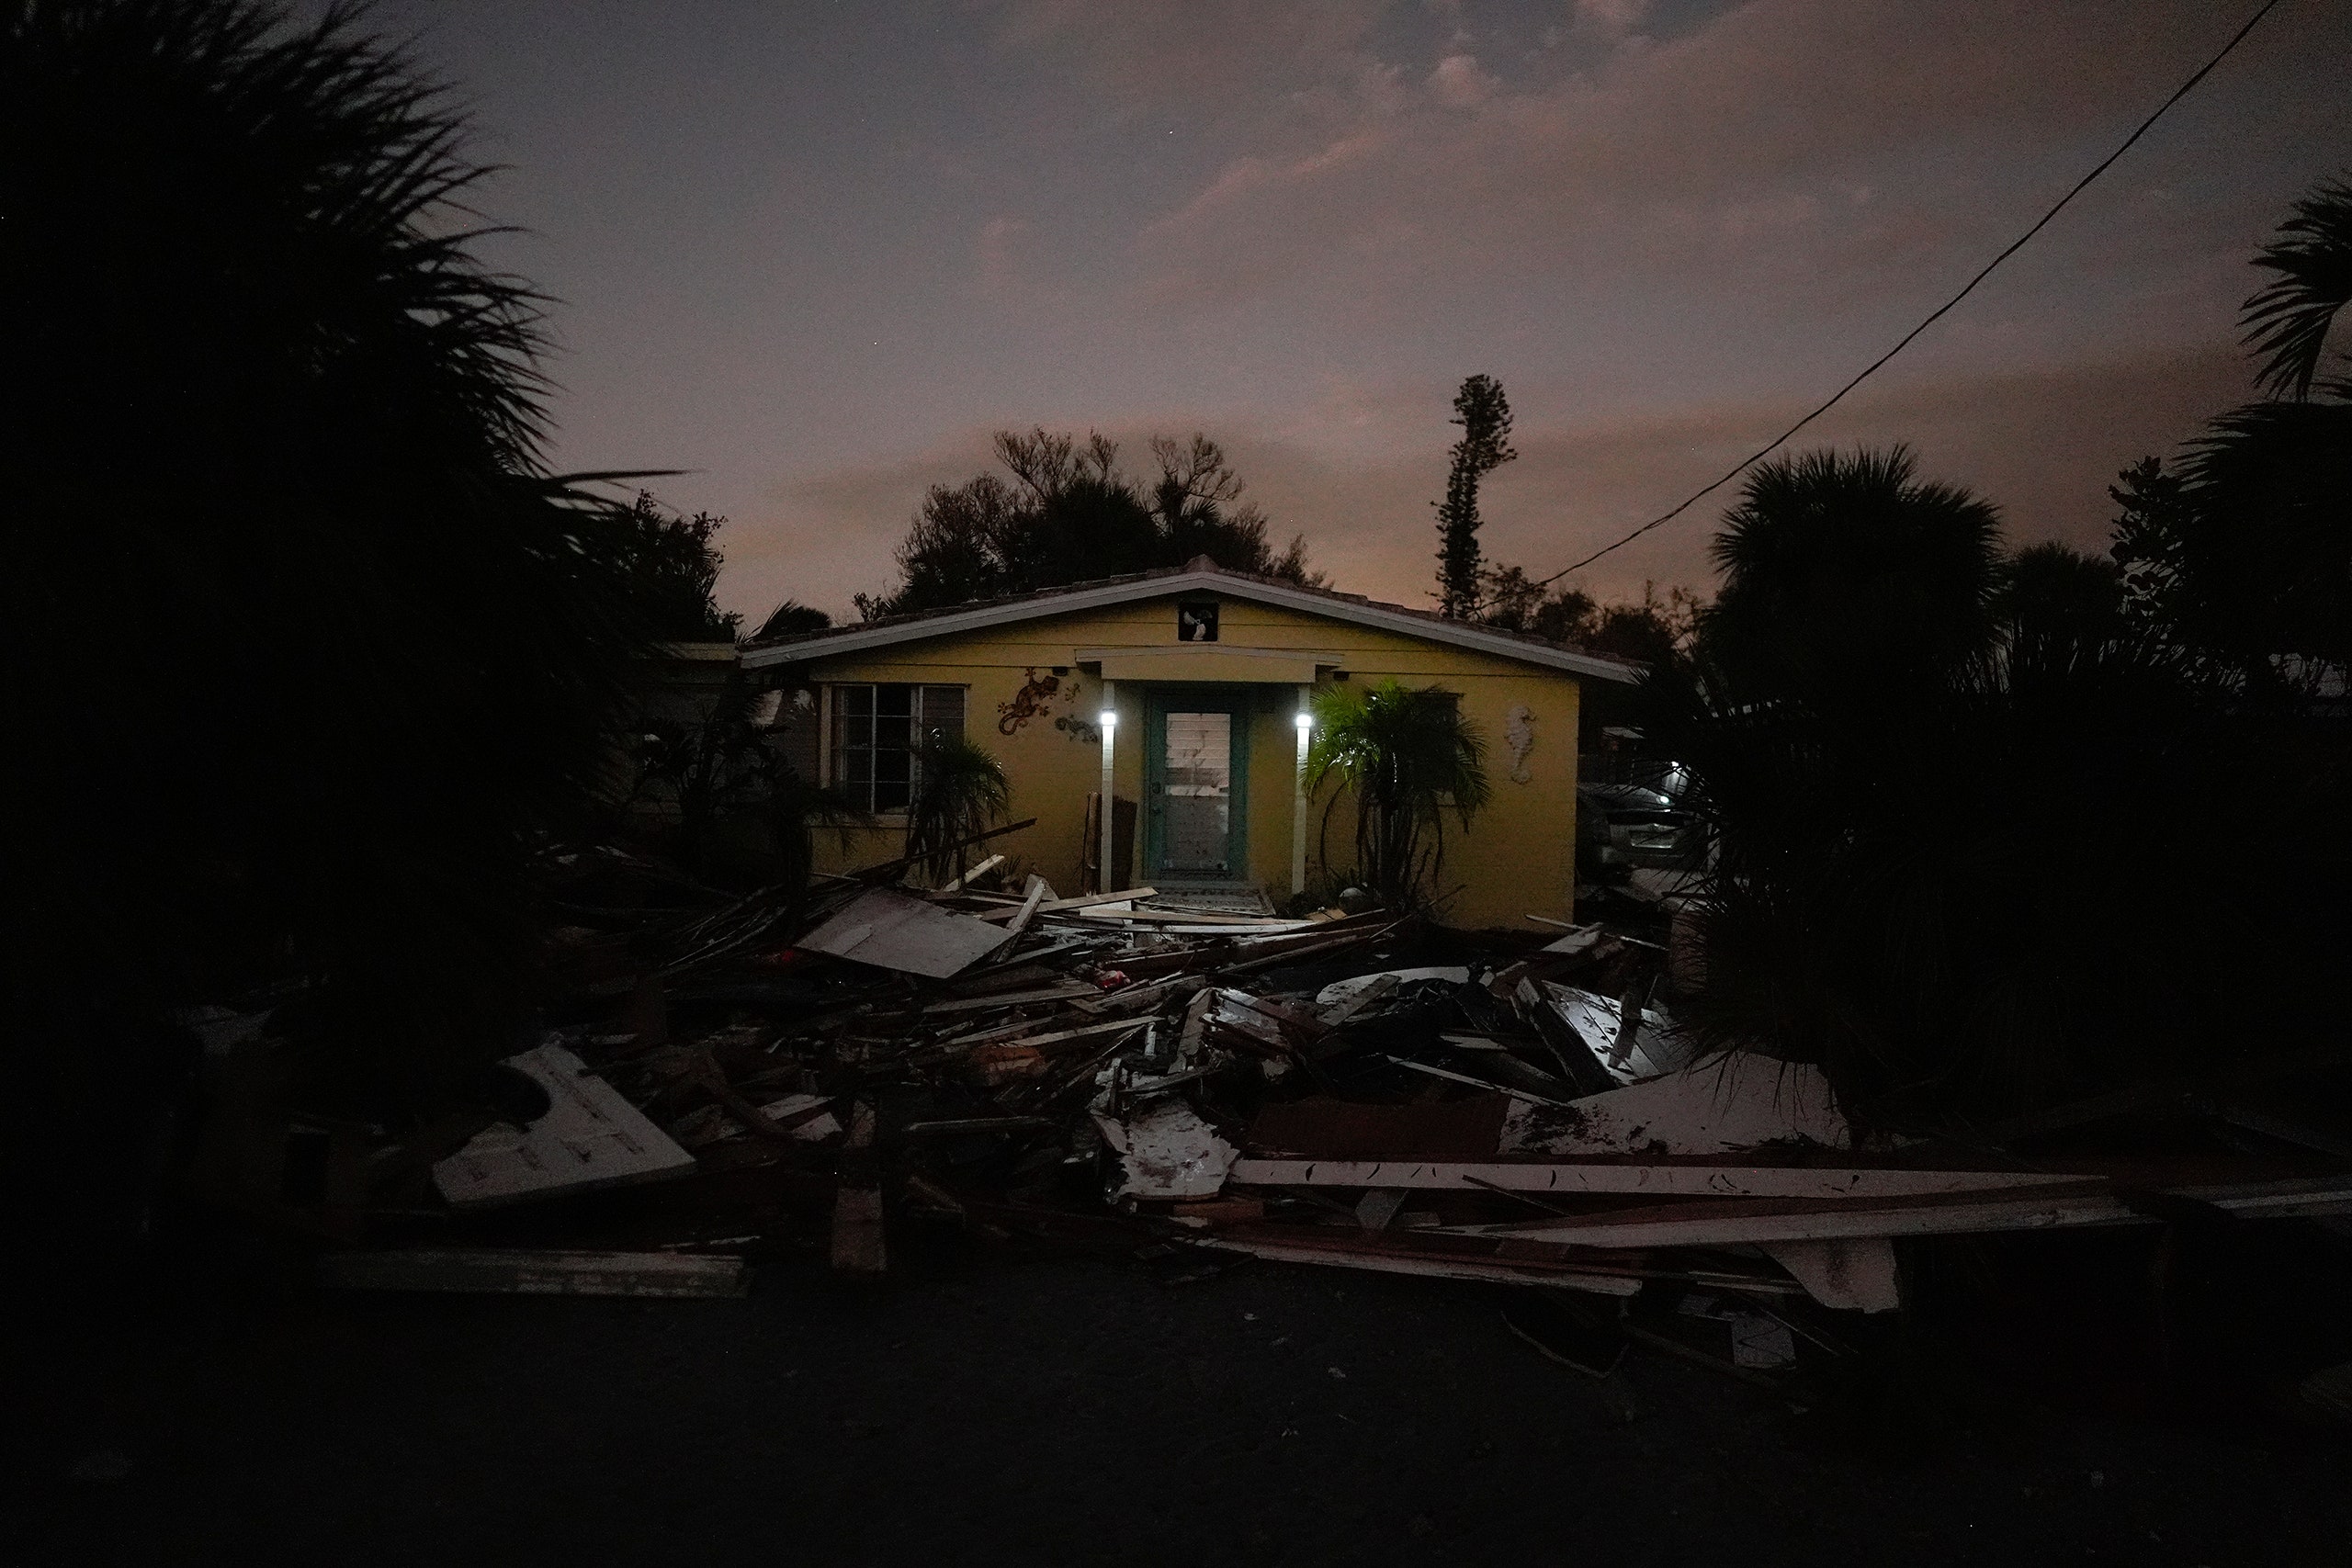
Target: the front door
(1196, 774)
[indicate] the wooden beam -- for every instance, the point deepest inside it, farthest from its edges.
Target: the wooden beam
(1698, 1180)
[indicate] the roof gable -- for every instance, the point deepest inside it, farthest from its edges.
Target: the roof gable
(1199, 577)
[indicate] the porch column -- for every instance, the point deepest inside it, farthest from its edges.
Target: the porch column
(1109, 812)
(1305, 723)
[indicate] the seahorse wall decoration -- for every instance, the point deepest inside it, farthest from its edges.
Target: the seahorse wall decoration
(1027, 702)
(1518, 734)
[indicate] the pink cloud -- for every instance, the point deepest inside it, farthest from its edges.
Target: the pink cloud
(1770, 106)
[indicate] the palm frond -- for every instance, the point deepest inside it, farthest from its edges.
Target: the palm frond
(960, 791)
(2287, 320)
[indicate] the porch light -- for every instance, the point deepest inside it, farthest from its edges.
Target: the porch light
(1306, 722)
(1110, 717)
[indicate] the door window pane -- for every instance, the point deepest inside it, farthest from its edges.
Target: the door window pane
(1196, 796)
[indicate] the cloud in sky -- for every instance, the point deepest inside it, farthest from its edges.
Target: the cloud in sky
(814, 255)
(1743, 148)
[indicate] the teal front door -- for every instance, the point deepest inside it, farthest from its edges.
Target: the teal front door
(1196, 784)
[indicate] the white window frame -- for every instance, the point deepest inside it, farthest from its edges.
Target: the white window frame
(832, 763)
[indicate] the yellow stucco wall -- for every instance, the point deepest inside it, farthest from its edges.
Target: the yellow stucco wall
(1518, 858)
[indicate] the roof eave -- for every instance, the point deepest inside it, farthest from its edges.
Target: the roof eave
(861, 639)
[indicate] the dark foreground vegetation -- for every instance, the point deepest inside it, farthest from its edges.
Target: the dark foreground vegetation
(1997, 830)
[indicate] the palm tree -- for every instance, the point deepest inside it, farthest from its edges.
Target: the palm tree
(2246, 542)
(304, 641)
(1408, 757)
(960, 790)
(2287, 319)
(1845, 576)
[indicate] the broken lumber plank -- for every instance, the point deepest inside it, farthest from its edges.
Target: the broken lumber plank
(892, 869)
(956, 884)
(1196, 1018)
(1083, 901)
(1579, 1063)
(1066, 992)
(1312, 943)
(1379, 988)
(1379, 1262)
(1033, 896)
(1447, 1073)
(534, 1271)
(1197, 918)
(1700, 1223)
(1032, 1056)
(1146, 995)
(1060, 1040)
(858, 1245)
(1698, 1180)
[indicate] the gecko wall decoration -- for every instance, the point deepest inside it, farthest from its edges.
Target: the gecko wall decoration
(1027, 702)
(1518, 734)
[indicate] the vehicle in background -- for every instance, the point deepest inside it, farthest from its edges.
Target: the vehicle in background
(1622, 825)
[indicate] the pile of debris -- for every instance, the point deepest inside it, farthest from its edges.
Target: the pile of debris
(1197, 1079)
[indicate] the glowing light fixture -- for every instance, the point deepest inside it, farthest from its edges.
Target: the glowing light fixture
(1110, 717)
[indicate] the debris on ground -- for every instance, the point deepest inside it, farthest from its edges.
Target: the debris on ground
(1195, 1079)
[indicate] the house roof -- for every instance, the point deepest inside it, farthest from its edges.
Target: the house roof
(1199, 575)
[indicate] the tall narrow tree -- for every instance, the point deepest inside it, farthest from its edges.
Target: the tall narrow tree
(1483, 414)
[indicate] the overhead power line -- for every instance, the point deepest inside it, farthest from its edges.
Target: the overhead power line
(2018, 243)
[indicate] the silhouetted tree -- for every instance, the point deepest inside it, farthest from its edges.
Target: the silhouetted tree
(1070, 515)
(792, 618)
(2241, 549)
(1650, 630)
(2052, 598)
(1935, 775)
(1483, 414)
(303, 639)
(1846, 578)
(672, 563)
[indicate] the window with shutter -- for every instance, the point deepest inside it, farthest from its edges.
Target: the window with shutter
(879, 730)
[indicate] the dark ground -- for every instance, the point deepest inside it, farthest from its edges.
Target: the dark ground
(984, 1408)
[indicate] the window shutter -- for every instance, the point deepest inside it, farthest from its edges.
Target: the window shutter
(943, 712)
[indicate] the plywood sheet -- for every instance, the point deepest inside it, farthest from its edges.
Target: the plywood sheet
(911, 936)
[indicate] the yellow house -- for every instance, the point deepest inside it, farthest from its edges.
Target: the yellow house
(1185, 691)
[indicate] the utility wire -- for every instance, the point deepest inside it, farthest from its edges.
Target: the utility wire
(2080, 185)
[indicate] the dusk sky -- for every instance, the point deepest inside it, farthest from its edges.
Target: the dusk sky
(815, 254)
